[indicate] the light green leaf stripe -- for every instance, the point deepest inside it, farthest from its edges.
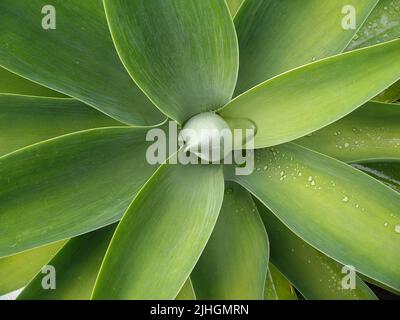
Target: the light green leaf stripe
(370, 132)
(16, 271)
(276, 36)
(12, 83)
(277, 287)
(234, 6)
(162, 235)
(26, 120)
(387, 172)
(308, 98)
(234, 263)
(69, 185)
(383, 24)
(315, 275)
(187, 292)
(182, 53)
(78, 58)
(339, 210)
(76, 266)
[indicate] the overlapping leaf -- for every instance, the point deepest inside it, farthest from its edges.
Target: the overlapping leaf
(27, 120)
(370, 132)
(77, 58)
(182, 53)
(69, 185)
(234, 263)
(162, 235)
(303, 100)
(344, 213)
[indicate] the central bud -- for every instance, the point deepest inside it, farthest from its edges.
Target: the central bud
(208, 136)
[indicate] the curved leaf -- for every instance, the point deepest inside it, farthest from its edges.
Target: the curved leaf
(277, 287)
(276, 36)
(383, 24)
(339, 210)
(12, 83)
(308, 98)
(76, 266)
(69, 185)
(388, 172)
(16, 271)
(234, 263)
(161, 236)
(78, 58)
(27, 120)
(370, 132)
(315, 275)
(182, 53)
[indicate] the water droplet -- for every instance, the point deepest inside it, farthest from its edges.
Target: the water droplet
(313, 183)
(397, 228)
(345, 199)
(300, 174)
(385, 224)
(310, 178)
(346, 145)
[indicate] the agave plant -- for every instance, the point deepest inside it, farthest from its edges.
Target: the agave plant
(78, 198)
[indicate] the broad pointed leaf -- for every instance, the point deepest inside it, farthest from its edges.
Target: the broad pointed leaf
(370, 132)
(163, 233)
(315, 275)
(16, 271)
(308, 98)
(277, 287)
(339, 210)
(77, 58)
(27, 120)
(383, 24)
(12, 83)
(182, 53)
(69, 185)
(234, 263)
(276, 36)
(76, 265)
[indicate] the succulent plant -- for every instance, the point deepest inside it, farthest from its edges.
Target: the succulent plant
(83, 82)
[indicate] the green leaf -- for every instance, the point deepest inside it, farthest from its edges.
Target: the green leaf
(78, 58)
(187, 292)
(69, 185)
(370, 132)
(162, 235)
(234, 6)
(27, 120)
(277, 287)
(12, 83)
(339, 210)
(308, 98)
(391, 94)
(182, 53)
(234, 263)
(16, 271)
(276, 36)
(387, 172)
(315, 275)
(383, 24)
(76, 266)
